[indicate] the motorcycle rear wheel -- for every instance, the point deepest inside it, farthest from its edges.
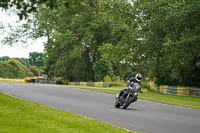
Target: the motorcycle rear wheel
(126, 104)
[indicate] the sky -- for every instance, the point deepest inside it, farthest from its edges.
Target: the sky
(17, 50)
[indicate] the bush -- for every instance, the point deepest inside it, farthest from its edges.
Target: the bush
(35, 70)
(114, 81)
(13, 69)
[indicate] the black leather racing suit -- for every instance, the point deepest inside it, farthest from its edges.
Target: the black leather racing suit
(131, 81)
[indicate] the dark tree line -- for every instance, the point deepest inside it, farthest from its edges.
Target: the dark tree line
(22, 67)
(35, 59)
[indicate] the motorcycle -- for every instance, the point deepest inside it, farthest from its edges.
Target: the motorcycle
(129, 96)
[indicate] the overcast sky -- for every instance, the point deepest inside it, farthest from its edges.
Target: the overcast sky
(17, 50)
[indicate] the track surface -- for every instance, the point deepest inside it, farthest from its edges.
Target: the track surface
(142, 116)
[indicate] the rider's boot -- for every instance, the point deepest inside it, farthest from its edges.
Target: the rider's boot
(135, 99)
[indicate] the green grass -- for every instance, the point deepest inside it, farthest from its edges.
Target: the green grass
(18, 116)
(98, 89)
(184, 101)
(11, 81)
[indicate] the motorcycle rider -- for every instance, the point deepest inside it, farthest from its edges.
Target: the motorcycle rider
(137, 79)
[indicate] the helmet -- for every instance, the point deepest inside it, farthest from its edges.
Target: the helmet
(138, 77)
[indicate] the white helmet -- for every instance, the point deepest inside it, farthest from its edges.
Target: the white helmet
(138, 77)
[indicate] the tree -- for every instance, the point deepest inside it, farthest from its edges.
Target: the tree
(26, 7)
(72, 48)
(85, 30)
(101, 70)
(79, 34)
(121, 52)
(4, 58)
(36, 59)
(169, 32)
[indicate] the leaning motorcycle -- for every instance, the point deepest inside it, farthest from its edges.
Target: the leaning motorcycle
(128, 96)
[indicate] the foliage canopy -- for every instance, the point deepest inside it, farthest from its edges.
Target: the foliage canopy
(13, 69)
(98, 38)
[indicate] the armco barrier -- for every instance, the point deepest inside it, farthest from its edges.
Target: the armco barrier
(83, 83)
(194, 91)
(162, 89)
(183, 91)
(77, 83)
(177, 90)
(105, 84)
(92, 84)
(39, 80)
(172, 90)
(45, 81)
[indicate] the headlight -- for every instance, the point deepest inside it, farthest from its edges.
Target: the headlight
(136, 94)
(116, 95)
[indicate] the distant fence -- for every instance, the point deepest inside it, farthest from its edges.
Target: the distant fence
(92, 84)
(39, 80)
(45, 81)
(176, 90)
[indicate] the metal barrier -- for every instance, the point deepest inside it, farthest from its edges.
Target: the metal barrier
(92, 84)
(177, 90)
(43, 80)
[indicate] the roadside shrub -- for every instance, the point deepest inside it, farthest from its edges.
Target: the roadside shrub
(13, 69)
(114, 81)
(101, 69)
(5, 70)
(35, 70)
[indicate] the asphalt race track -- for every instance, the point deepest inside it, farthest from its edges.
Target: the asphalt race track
(142, 116)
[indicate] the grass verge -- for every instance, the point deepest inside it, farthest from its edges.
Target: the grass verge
(184, 101)
(20, 116)
(2, 80)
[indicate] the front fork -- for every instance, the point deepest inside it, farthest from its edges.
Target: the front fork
(135, 97)
(127, 98)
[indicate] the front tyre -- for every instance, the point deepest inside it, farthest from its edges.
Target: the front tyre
(128, 102)
(117, 104)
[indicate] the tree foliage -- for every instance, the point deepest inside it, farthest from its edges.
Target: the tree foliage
(171, 39)
(4, 58)
(97, 38)
(26, 7)
(13, 69)
(35, 70)
(22, 67)
(36, 59)
(77, 33)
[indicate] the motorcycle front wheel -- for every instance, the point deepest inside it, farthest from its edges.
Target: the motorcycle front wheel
(128, 102)
(117, 104)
